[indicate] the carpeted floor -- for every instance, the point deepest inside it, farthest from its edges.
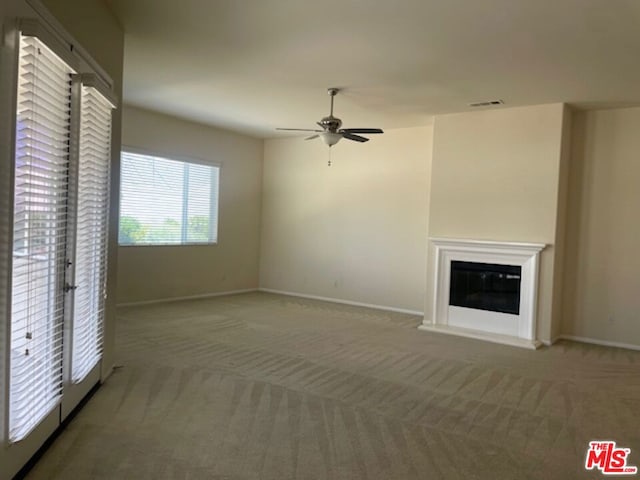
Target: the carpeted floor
(261, 386)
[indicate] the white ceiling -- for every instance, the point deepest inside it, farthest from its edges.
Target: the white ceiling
(253, 65)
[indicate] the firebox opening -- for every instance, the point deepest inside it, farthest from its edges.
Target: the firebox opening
(485, 286)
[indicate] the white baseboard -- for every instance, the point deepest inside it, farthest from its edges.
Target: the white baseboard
(344, 302)
(604, 343)
(592, 341)
(189, 297)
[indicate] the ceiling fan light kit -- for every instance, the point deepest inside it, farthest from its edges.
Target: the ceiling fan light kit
(330, 138)
(331, 132)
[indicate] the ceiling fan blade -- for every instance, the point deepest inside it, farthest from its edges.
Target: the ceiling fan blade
(355, 138)
(312, 137)
(362, 130)
(300, 129)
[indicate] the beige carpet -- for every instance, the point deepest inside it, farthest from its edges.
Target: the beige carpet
(261, 386)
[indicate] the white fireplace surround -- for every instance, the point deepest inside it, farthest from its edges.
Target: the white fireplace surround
(517, 330)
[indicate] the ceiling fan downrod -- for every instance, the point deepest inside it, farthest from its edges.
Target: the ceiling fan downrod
(333, 92)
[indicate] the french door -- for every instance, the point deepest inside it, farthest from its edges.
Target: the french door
(58, 267)
(85, 286)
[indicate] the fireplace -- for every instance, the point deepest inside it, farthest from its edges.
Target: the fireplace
(486, 290)
(485, 286)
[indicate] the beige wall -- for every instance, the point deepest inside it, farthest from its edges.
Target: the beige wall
(354, 231)
(495, 176)
(560, 247)
(602, 283)
(150, 273)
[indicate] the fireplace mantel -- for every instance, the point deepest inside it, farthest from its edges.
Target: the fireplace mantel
(517, 330)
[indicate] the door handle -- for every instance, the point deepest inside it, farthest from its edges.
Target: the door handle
(68, 287)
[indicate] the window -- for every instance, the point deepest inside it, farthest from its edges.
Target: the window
(167, 202)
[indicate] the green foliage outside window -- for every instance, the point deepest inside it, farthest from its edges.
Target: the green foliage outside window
(133, 232)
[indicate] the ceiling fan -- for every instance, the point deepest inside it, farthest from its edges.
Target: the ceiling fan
(331, 132)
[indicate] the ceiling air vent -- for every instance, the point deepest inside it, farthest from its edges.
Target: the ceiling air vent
(490, 103)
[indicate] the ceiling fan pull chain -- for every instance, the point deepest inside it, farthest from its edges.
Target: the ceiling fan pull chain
(329, 162)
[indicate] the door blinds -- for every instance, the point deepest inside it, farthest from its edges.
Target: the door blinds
(91, 231)
(39, 235)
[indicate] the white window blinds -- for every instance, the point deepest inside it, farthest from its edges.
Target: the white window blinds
(164, 202)
(91, 231)
(39, 235)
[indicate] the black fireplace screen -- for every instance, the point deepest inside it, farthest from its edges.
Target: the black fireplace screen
(485, 286)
